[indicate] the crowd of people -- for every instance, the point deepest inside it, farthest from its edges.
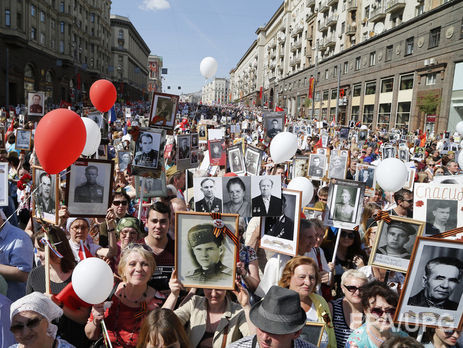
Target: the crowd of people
(278, 299)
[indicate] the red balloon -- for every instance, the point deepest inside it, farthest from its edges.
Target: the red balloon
(59, 140)
(103, 95)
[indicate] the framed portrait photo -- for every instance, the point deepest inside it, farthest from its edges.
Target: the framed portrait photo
(3, 183)
(236, 191)
(36, 104)
(202, 133)
(45, 200)
(366, 174)
(23, 139)
(362, 135)
(183, 151)
(208, 194)
(236, 159)
(266, 195)
(394, 243)
(273, 122)
(388, 151)
(439, 205)
(313, 213)
(252, 159)
(217, 153)
(433, 286)
(163, 110)
(281, 233)
(2, 137)
(410, 179)
(152, 187)
(344, 204)
(338, 165)
(344, 133)
(89, 187)
(124, 158)
(96, 117)
(317, 166)
(194, 140)
(194, 235)
(312, 332)
(404, 154)
(300, 166)
(148, 153)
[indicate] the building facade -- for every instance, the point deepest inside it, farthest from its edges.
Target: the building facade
(215, 92)
(129, 60)
(384, 63)
(154, 74)
(57, 46)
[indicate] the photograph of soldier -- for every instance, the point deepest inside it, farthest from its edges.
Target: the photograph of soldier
(89, 191)
(395, 239)
(206, 199)
(147, 150)
(274, 127)
(45, 197)
(36, 104)
(163, 110)
(441, 216)
(283, 226)
(194, 140)
(184, 147)
(388, 152)
(252, 160)
(317, 165)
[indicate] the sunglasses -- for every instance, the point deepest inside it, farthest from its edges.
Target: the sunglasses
(352, 289)
(117, 203)
(449, 332)
(30, 324)
(379, 311)
(349, 235)
(409, 200)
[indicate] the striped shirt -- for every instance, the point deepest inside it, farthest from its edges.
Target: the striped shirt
(341, 329)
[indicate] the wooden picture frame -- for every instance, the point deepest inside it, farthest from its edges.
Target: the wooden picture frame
(312, 332)
(4, 183)
(252, 160)
(163, 111)
(235, 159)
(193, 230)
(45, 201)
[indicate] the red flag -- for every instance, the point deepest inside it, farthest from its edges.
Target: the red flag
(278, 109)
(423, 140)
(311, 82)
(10, 129)
(260, 93)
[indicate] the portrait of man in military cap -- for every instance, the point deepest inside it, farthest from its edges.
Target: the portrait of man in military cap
(204, 258)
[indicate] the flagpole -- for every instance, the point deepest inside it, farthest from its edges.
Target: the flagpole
(336, 245)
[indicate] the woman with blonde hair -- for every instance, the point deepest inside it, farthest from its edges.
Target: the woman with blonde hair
(301, 275)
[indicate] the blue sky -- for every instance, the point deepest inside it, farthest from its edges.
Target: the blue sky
(183, 32)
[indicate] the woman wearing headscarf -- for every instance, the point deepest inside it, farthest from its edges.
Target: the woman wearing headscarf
(31, 318)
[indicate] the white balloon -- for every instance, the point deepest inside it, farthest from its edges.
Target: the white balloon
(459, 128)
(283, 147)
(391, 174)
(460, 159)
(208, 67)
(305, 186)
(92, 280)
(93, 137)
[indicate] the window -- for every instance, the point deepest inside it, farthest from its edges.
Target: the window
(370, 88)
(406, 82)
(335, 71)
(42, 38)
(367, 12)
(431, 79)
(434, 37)
(386, 85)
(324, 111)
(317, 96)
(92, 18)
(384, 115)
(325, 95)
(419, 9)
(42, 16)
(368, 114)
(355, 113)
(121, 34)
(52, 44)
(403, 113)
(326, 74)
(357, 90)
(372, 58)
(388, 56)
(357, 63)
(32, 10)
(334, 93)
(7, 18)
(61, 7)
(346, 68)
(409, 46)
(332, 113)
(33, 33)
(61, 46)
(52, 24)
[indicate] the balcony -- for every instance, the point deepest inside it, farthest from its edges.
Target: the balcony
(332, 20)
(296, 45)
(273, 54)
(297, 61)
(324, 7)
(292, 62)
(273, 43)
(332, 2)
(310, 16)
(281, 38)
(272, 65)
(299, 29)
(309, 3)
(395, 5)
(377, 14)
(323, 25)
(351, 5)
(281, 54)
(330, 41)
(351, 29)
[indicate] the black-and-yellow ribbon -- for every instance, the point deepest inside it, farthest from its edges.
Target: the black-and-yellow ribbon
(383, 215)
(219, 227)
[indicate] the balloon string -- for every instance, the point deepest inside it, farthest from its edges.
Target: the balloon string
(27, 198)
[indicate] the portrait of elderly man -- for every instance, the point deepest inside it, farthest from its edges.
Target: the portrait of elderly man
(145, 154)
(274, 128)
(45, 200)
(209, 203)
(238, 204)
(266, 204)
(282, 226)
(441, 277)
(207, 253)
(398, 234)
(90, 191)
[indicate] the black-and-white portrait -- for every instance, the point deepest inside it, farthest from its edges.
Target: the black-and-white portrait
(441, 216)
(202, 132)
(300, 165)
(89, 189)
(321, 151)
(410, 179)
(252, 159)
(3, 183)
(194, 140)
(366, 174)
(96, 117)
(280, 233)
(273, 122)
(266, 195)
(203, 259)
(163, 110)
(338, 166)
(313, 213)
(124, 158)
(325, 139)
(344, 133)
(434, 285)
(404, 154)
(208, 194)
(394, 243)
(183, 147)
(317, 166)
(45, 199)
(23, 139)
(35, 104)
(345, 203)
(152, 187)
(362, 134)
(388, 152)
(147, 150)
(236, 159)
(194, 159)
(236, 192)
(217, 153)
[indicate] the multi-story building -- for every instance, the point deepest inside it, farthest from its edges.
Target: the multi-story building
(154, 75)
(129, 60)
(386, 63)
(59, 47)
(215, 92)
